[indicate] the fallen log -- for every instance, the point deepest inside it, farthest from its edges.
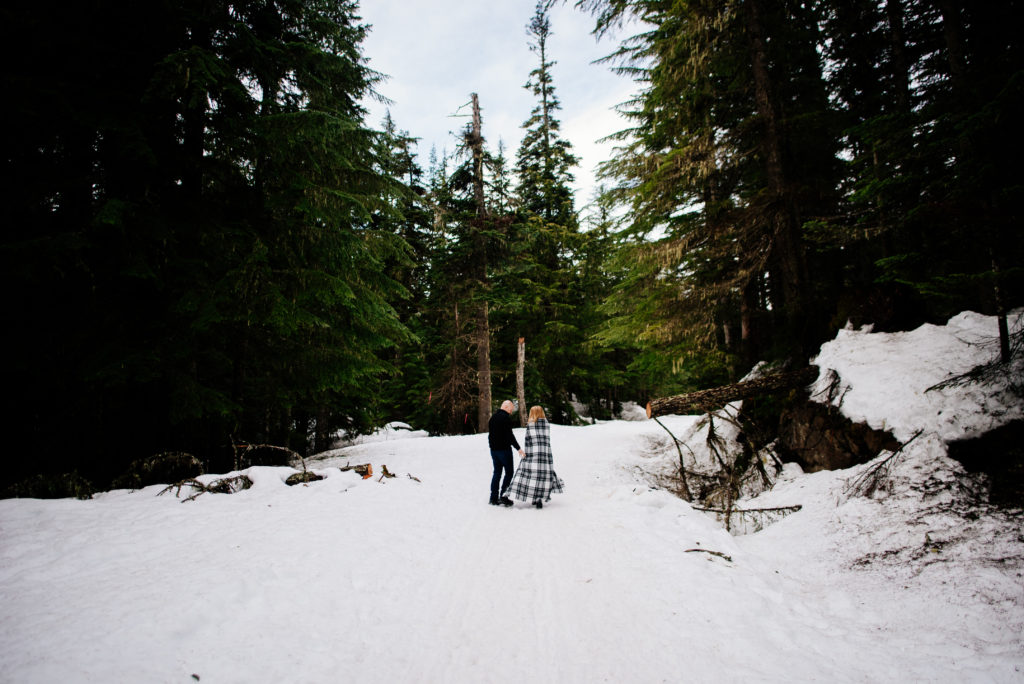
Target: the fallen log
(705, 401)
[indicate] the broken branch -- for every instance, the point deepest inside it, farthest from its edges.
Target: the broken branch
(713, 553)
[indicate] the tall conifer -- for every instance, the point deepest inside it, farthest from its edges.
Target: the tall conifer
(209, 252)
(542, 244)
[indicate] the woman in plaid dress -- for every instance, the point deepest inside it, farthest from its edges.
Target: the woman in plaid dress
(535, 477)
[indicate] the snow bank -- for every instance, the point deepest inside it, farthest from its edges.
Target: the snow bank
(921, 558)
(884, 378)
(391, 431)
(416, 579)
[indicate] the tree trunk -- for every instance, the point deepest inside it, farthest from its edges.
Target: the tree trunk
(900, 61)
(748, 305)
(483, 330)
(953, 35)
(483, 365)
(708, 400)
(787, 247)
(476, 144)
(195, 113)
(520, 380)
(322, 438)
(997, 291)
(545, 113)
(764, 97)
(456, 393)
(991, 233)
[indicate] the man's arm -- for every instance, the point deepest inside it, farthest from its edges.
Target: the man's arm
(513, 434)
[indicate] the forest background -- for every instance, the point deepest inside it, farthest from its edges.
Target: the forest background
(207, 244)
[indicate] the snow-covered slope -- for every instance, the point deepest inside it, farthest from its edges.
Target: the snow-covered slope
(884, 378)
(419, 580)
(920, 558)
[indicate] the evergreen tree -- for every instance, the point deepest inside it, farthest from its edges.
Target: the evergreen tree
(930, 152)
(603, 378)
(730, 154)
(203, 265)
(406, 390)
(793, 165)
(545, 161)
(684, 262)
(541, 279)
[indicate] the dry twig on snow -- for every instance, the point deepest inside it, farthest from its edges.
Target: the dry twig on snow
(868, 482)
(713, 553)
(225, 485)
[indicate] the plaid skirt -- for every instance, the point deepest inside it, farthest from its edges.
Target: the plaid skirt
(535, 478)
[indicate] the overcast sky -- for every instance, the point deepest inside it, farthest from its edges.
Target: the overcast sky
(437, 52)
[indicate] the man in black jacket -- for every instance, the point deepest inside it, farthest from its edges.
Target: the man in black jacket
(501, 441)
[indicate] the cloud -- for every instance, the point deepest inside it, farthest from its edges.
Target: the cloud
(437, 52)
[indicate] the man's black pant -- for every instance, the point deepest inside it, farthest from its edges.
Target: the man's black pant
(502, 459)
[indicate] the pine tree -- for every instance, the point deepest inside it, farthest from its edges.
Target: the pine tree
(458, 287)
(926, 132)
(407, 388)
(730, 154)
(539, 280)
(681, 181)
(217, 272)
(792, 165)
(602, 375)
(545, 161)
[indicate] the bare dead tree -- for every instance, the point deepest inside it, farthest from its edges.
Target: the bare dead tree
(475, 141)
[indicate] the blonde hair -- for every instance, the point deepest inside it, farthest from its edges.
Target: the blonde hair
(536, 413)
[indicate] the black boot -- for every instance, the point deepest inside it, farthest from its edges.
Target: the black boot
(538, 504)
(494, 502)
(505, 501)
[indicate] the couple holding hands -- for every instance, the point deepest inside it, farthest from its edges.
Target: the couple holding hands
(535, 479)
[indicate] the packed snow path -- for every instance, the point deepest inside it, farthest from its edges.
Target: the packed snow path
(397, 580)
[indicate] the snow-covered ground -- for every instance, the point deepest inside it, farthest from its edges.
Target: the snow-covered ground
(419, 580)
